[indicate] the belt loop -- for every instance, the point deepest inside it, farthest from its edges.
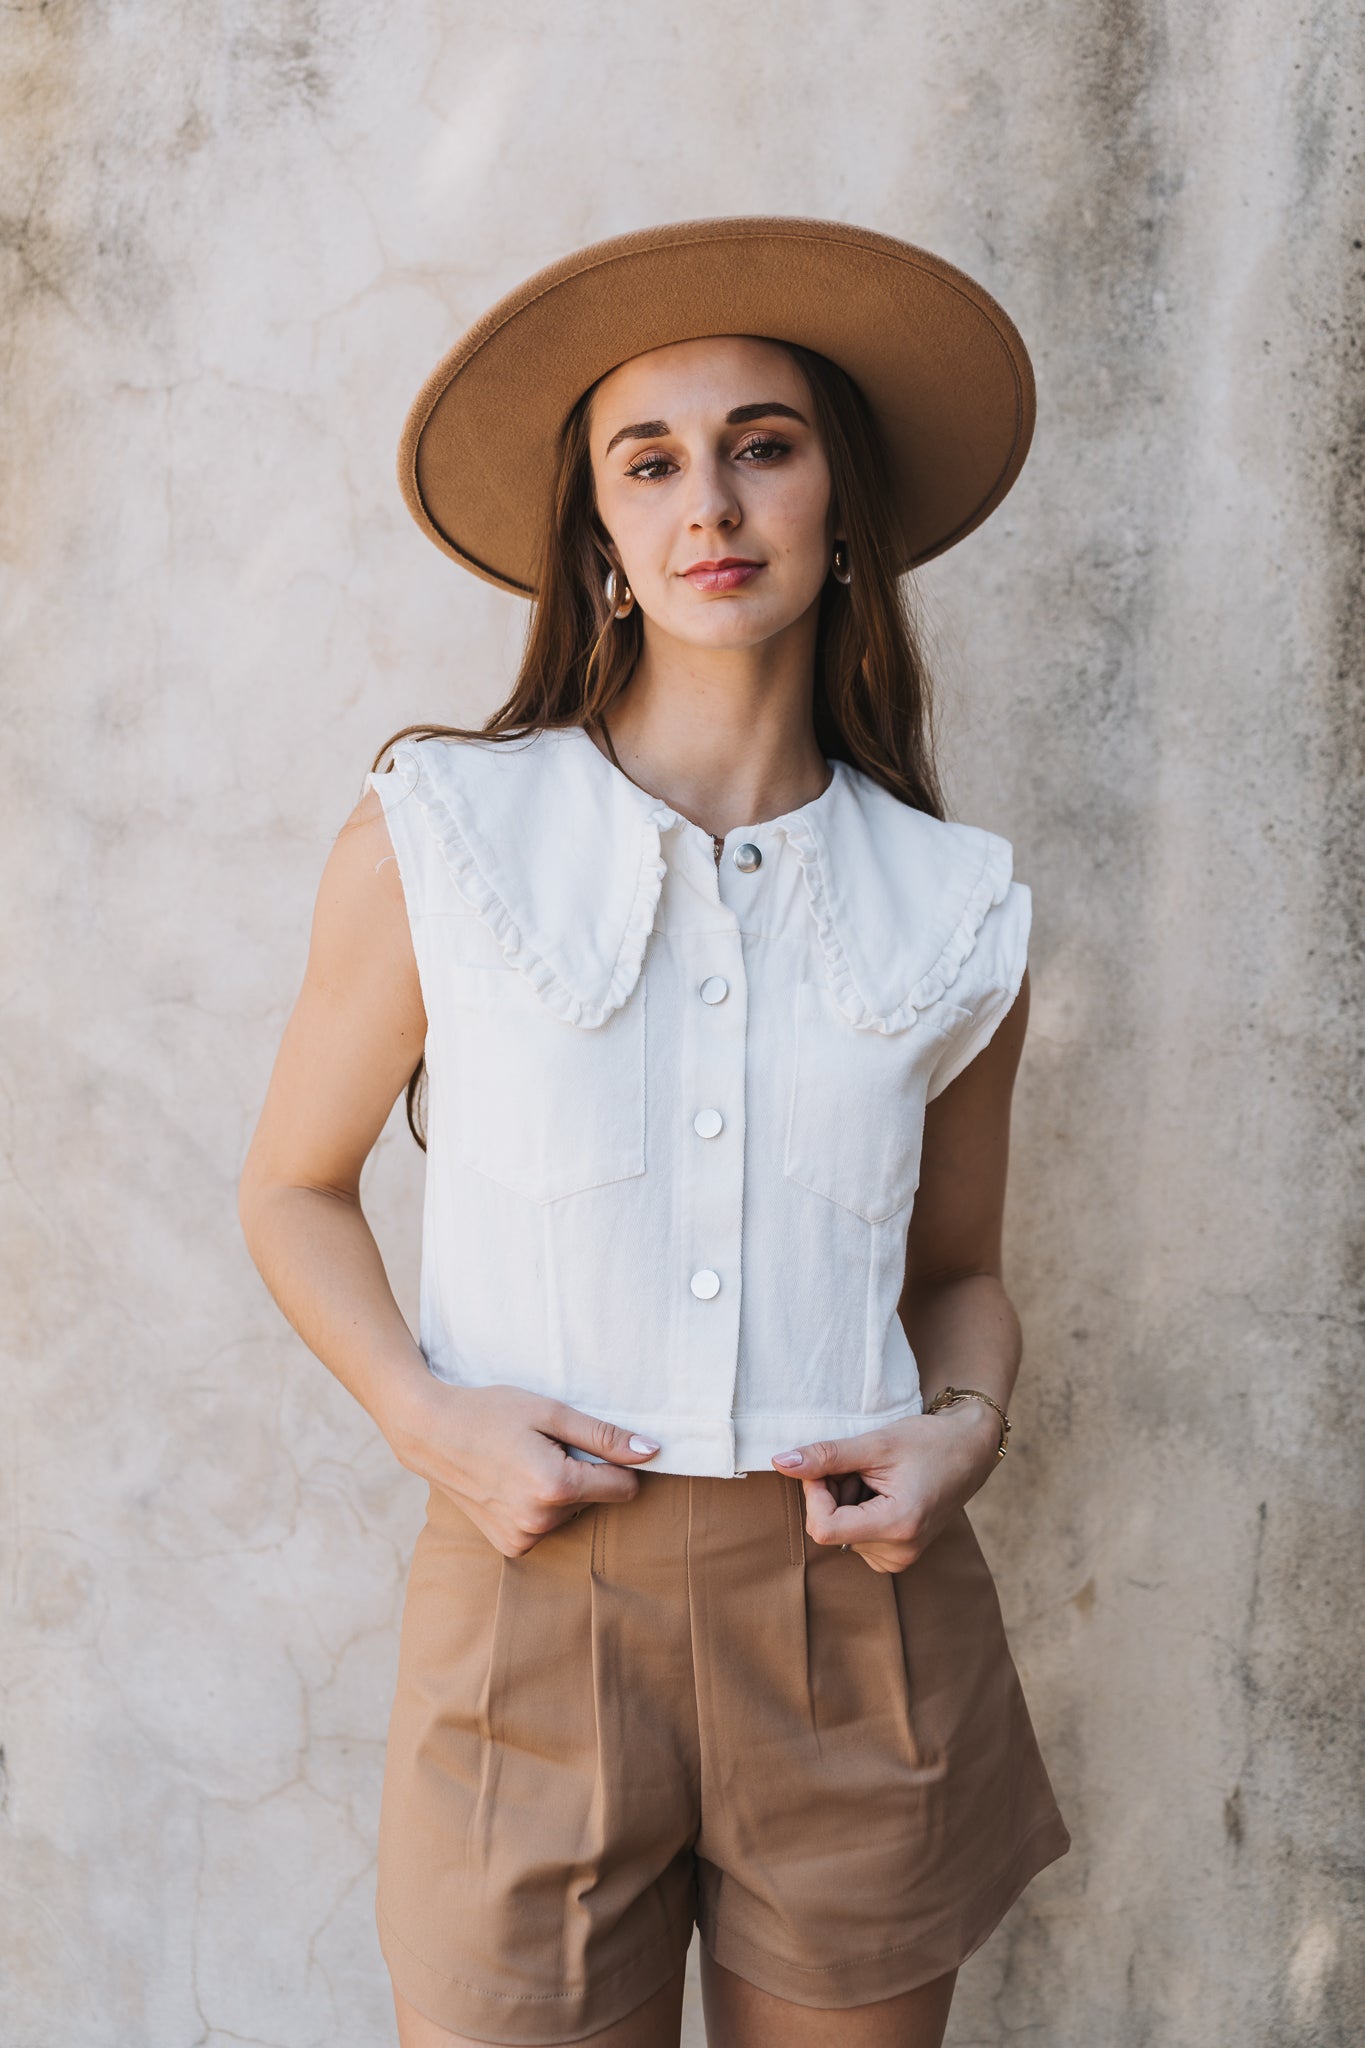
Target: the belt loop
(796, 1520)
(597, 1556)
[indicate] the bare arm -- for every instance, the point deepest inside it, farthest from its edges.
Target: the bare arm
(355, 1034)
(888, 1493)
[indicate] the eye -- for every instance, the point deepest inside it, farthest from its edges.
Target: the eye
(764, 448)
(648, 466)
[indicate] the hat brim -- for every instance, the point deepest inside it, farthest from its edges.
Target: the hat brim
(940, 363)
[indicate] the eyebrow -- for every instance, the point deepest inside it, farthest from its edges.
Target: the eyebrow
(650, 430)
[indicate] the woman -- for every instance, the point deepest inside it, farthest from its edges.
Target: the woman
(718, 1018)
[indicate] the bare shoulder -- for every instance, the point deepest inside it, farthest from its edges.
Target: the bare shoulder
(362, 845)
(360, 912)
(361, 862)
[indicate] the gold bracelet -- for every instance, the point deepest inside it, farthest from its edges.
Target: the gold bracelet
(949, 1395)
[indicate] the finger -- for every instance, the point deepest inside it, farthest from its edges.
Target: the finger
(589, 1433)
(864, 1521)
(833, 1492)
(580, 1483)
(841, 1454)
(888, 1557)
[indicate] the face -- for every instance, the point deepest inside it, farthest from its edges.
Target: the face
(713, 485)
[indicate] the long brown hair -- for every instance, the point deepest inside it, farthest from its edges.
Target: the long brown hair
(873, 701)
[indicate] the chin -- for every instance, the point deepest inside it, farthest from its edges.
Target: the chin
(730, 628)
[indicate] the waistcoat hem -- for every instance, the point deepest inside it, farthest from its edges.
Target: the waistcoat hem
(727, 1448)
(758, 1435)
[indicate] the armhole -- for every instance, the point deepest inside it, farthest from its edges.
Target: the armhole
(993, 974)
(410, 844)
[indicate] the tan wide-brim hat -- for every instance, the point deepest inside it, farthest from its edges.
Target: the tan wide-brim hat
(939, 361)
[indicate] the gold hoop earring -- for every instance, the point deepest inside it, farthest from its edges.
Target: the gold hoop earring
(842, 567)
(627, 604)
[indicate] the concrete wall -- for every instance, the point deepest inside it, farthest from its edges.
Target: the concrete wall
(234, 239)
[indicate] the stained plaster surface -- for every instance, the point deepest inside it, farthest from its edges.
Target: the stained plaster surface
(234, 240)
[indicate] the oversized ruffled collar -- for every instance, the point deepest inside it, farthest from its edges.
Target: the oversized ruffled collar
(562, 856)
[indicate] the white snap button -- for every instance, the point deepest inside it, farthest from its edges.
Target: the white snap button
(715, 989)
(705, 1284)
(708, 1123)
(748, 857)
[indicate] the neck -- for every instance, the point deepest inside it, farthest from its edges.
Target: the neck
(725, 736)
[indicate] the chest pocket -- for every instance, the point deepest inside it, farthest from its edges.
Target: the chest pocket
(855, 1117)
(545, 1108)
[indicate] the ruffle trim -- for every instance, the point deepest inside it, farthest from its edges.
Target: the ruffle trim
(989, 887)
(527, 949)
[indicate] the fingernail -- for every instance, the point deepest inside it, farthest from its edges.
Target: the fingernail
(787, 1458)
(642, 1443)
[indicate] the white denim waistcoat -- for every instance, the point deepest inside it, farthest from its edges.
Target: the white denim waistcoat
(675, 1107)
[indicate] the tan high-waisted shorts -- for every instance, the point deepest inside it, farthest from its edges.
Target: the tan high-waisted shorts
(681, 1708)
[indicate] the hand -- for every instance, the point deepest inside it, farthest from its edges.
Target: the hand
(499, 1452)
(888, 1494)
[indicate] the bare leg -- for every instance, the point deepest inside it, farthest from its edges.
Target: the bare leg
(655, 2024)
(739, 2015)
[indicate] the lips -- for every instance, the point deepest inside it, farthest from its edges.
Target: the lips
(729, 573)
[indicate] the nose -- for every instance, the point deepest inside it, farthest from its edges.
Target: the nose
(712, 506)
